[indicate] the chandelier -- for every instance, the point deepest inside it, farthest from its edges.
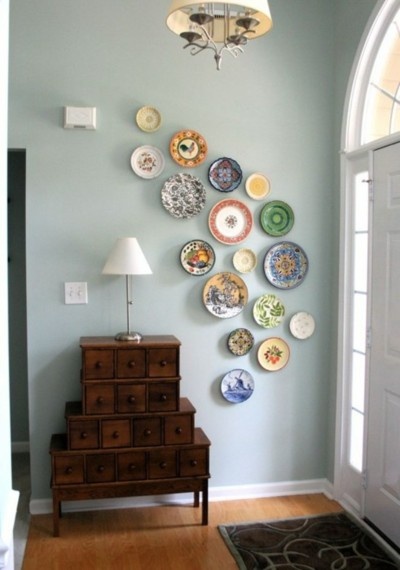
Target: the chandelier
(219, 26)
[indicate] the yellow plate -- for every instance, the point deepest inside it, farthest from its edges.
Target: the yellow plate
(257, 186)
(273, 354)
(148, 119)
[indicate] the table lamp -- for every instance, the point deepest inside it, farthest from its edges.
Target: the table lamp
(127, 258)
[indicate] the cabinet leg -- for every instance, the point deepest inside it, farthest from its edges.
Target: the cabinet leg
(204, 506)
(56, 515)
(196, 501)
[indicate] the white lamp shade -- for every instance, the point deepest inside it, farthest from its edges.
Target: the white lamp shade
(178, 17)
(126, 258)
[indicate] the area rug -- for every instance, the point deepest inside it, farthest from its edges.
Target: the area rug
(327, 542)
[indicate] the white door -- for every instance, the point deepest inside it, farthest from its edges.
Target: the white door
(382, 499)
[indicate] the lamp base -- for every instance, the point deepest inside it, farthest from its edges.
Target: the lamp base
(132, 336)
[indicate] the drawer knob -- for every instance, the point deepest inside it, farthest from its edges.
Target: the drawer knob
(100, 400)
(132, 467)
(68, 470)
(116, 435)
(100, 468)
(193, 463)
(163, 397)
(178, 430)
(163, 465)
(84, 435)
(147, 432)
(131, 399)
(131, 364)
(99, 364)
(163, 363)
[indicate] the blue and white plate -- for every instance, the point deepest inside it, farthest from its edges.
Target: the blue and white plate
(225, 174)
(237, 386)
(285, 265)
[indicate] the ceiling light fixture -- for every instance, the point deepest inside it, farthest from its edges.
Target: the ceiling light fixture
(219, 26)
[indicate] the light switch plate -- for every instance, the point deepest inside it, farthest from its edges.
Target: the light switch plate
(80, 118)
(76, 293)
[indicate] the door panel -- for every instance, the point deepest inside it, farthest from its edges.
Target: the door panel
(382, 499)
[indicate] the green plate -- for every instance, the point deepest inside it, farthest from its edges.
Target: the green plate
(277, 218)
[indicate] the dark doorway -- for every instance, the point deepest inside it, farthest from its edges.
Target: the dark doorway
(17, 299)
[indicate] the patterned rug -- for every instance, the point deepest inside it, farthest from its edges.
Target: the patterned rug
(327, 542)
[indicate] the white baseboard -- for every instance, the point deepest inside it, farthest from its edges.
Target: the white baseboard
(20, 447)
(6, 531)
(229, 493)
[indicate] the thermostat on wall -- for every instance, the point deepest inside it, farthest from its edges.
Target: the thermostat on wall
(80, 118)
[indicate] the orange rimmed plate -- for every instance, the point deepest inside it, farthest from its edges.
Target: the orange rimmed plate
(230, 221)
(188, 148)
(273, 354)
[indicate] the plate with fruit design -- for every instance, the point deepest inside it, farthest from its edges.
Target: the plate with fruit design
(197, 257)
(273, 354)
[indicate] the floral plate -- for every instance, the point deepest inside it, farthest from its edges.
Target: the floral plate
(225, 174)
(237, 386)
(225, 295)
(230, 221)
(188, 148)
(147, 162)
(268, 311)
(285, 265)
(240, 342)
(183, 195)
(273, 354)
(197, 257)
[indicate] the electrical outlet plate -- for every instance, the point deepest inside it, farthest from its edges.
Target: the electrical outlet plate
(76, 293)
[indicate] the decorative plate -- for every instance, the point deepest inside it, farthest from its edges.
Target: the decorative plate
(273, 354)
(302, 325)
(147, 162)
(225, 295)
(277, 218)
(257, 186)
(197, 257)
(183, 195)
(244, 260)
(230, 221)
(148, 119)
(285, 265)
(240, 342)
(188, 148)
(268, 311)
(237, 386)
(225, 174)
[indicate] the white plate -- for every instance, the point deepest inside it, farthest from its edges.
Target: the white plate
(147, 162)
(244, 260)
(257, 186)
(302, 325)
(230, 221)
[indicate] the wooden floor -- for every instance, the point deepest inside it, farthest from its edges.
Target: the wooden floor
(168, 537)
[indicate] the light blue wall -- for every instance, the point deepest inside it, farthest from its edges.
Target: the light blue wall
(273, 110)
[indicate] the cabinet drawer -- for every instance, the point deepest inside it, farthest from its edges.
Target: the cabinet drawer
(163, 362)
(193, 462)
(162, 464)
(131, 363)
(68, 469)
(147, 431)
(116, 433)
(131, 466)
(99, 398)
(83, 434)
(178, 429)
(131, 398)
(98, 363)
(163, 396)
(100, 468)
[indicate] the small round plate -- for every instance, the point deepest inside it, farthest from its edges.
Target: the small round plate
(225, 295)
(230, 221)
(147, 162)
(237, 386)
(244, 260)
(225, 174)
(273, 354)
(188, 148)
(148, 119)
(197, 257)
(183, 195)
(277, 218)
(302, 325)
(268, 311)
(240, 342)
(257, 186)
(285, 265)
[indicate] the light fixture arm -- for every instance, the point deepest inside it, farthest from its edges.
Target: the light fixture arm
(196, 48)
